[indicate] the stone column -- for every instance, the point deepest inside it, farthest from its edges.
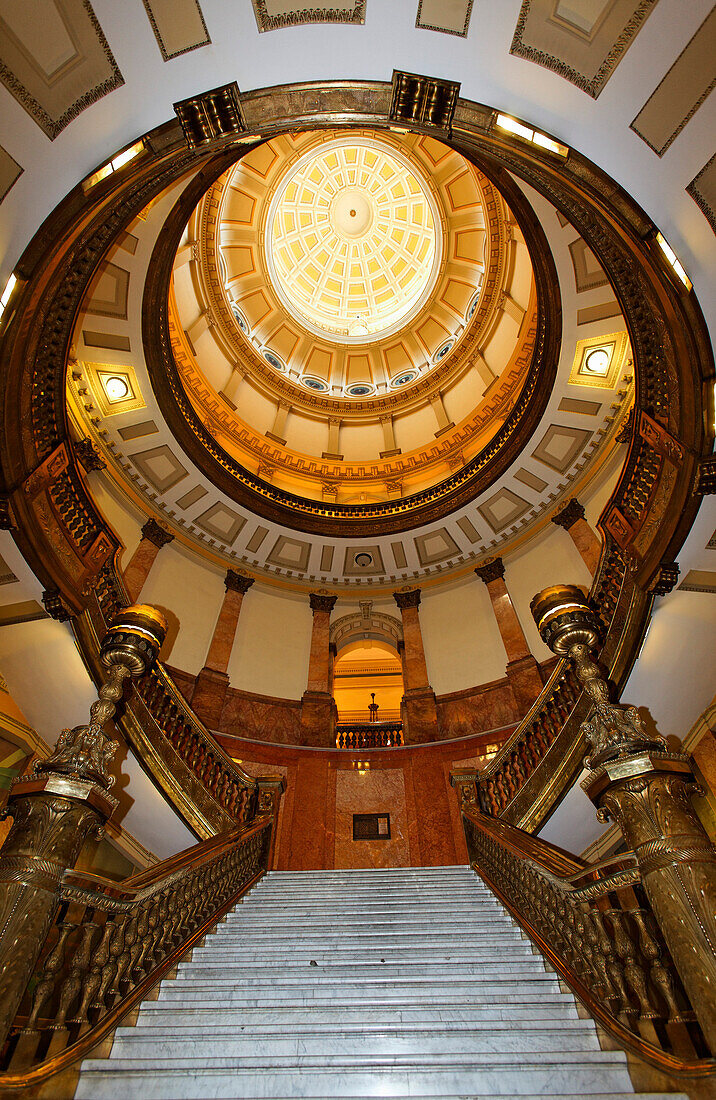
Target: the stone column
(153, 538)
(212, 682)
(522, 670)
(317, 705)
(419, 709)
(571, 518)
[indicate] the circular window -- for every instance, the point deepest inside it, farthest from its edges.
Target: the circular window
(443, 351)
(473, 304)
(360, 389)
(240, 319)
(364, 560)
(274, 360)
(315, 384)
(404, 378)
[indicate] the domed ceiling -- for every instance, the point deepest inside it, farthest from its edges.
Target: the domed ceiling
(366, 374)
(355, 287)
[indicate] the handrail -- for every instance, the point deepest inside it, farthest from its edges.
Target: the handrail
(528, 775)
(209, 790)
(595, 927)
(100, 969)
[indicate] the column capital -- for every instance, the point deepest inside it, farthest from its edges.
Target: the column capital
(320, 602)
(237, 582)
(153, 532)
(569, 515)
(407, 599)
(491, 570)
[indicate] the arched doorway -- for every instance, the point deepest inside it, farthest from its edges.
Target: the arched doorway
(368, 679)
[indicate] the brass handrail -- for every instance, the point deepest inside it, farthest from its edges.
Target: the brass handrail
(208, 789)
(526, 778)
(596, 929)
(101, 970)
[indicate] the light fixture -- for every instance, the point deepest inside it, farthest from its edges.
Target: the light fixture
(597, 361)
(527, 133)
(113, 165)
(673, 261)
(116, 387)
(9, 287)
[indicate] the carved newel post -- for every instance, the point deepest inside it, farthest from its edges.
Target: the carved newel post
(646, 790)
(67, 800)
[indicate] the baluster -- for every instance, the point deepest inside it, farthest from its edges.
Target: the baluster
(660, 975)
(79, 967)
(49, 976)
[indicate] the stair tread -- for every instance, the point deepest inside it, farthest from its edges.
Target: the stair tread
(399, 981)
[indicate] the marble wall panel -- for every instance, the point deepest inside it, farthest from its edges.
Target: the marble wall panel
(380, 790)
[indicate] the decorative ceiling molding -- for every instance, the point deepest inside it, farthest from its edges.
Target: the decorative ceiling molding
(446, 16)
(272, 15)
(583, 49)
(703, 191)
(43, 64)
(178, 26)
(10, 172)
(677, 98)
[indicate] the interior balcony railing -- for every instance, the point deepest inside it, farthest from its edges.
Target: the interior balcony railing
(596, 927)
(369, 735)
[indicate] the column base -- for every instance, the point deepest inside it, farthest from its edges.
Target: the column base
(207, 700)
(420, 715)
(318, 719)
(525, 679)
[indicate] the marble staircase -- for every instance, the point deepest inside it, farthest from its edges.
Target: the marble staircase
(410, 982)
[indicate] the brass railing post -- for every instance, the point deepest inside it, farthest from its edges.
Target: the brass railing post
(66, 801)
(646, 790)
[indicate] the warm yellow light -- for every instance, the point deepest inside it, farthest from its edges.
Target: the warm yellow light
(9, 287)
(127, 155)
(116, 388)
(512, 126)
(673, 260)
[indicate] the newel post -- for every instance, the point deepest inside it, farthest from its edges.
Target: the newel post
(634, 781)
(66, 800)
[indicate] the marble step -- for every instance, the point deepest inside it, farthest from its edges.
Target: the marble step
(214, 969)
(371, 873)
(235, 950)
(352, 901)
(393, 996)
(460, 922)
(550, 1074)
(230, 991)
(157, 1013)
(365, 938)
(143, 1042)
(407, 918)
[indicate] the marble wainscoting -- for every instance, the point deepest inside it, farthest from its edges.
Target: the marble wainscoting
(371, 791)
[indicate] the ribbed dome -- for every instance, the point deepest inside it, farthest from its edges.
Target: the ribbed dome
(353, 240)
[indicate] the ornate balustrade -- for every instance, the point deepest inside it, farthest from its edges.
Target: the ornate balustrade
(595, 926)
(110, 943)
(209, 790)
(369, 735)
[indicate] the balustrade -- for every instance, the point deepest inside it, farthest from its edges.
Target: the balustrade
(373, 735)
(596, 926)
